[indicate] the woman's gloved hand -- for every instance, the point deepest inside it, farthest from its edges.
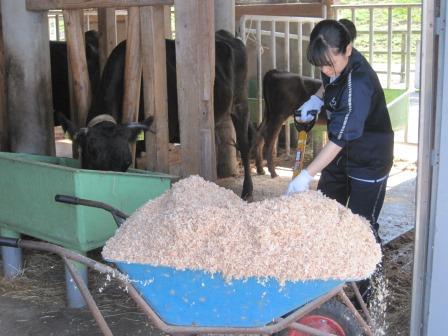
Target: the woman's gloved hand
(300, 183)
(304, 113)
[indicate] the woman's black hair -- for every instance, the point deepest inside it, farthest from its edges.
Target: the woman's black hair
(350, 26)
(327, 36)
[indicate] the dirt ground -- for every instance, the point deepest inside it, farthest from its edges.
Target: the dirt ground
(34, 304)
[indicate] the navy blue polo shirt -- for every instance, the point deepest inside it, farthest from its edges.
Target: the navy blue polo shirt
(358, 120)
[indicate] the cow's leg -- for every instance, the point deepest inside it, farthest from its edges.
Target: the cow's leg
(258, 148)
(241, 122)
(270, 143)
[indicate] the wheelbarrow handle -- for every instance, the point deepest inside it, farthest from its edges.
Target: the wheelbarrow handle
(9, 242)
(118, 215)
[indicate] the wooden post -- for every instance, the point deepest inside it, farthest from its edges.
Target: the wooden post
(329, 10)
(154, 86)
(225, 131)
(78, 66)
(167, 22)
(4, 141)
(195, 59)
(133, 68)
(27, 60)
(107, 33)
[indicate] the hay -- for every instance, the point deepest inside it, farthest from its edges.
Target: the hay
(201, 226)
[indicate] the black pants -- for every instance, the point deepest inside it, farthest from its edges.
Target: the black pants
(363, 198)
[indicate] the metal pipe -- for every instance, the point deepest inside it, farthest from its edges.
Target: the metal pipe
(88, 298)
(300, 47)
(288, 68)
(361, 302)
(74, 296)
(371, 36)
(11, 253)
(389, 45)
(358, 317)
(408, 48)
(259, 75)
(273, 46)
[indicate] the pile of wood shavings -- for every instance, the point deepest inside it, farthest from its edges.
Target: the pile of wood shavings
(199, 225)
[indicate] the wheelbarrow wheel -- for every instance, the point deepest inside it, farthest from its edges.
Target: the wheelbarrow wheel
(333, 317)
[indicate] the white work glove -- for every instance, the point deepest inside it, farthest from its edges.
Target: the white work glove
(300, 183)
(303, 113)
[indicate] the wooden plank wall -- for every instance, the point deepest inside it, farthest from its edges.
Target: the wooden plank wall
(133, 68)
(107, 33)
(195, 59)
(153, 30)
(76, 54)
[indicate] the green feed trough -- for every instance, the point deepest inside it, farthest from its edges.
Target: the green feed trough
(29, 183)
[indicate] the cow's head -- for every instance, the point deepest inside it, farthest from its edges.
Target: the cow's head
(104, 145)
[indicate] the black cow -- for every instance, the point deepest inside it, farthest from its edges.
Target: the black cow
(103, 144)
(229, 92)
(59, 71)
(283, 93)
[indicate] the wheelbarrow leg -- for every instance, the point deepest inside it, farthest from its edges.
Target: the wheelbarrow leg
(361, 302)
(359, 318)
(12, 256)
(74, 296)
(88, 297)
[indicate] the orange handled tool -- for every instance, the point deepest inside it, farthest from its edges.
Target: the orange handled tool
(303, 129)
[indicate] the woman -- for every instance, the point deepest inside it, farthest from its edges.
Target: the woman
(356, 161)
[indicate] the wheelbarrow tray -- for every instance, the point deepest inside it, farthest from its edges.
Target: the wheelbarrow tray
(29, 184)
(198, 298)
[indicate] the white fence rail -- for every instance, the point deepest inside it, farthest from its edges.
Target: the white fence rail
(407, 34)
(293, 28)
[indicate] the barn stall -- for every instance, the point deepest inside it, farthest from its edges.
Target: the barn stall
(35, 136)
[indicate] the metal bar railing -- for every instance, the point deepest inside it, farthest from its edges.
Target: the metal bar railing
(407, 35)
(339, 7)
(56, 16)
(287, 36)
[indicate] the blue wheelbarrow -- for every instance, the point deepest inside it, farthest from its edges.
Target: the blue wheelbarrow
(195, 302)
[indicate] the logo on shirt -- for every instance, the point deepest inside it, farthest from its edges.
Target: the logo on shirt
(333, 102)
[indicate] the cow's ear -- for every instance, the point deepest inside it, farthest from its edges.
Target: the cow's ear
(67, 125)
(134, 129)
(80, 136)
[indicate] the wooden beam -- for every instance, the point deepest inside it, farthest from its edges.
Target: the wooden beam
(78, 65)
(107, 33)
(195, 62)
(132, 68)
(299, 9)
(155, 86)
(41, 5)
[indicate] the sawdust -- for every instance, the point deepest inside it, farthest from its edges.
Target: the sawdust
(201, 226)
